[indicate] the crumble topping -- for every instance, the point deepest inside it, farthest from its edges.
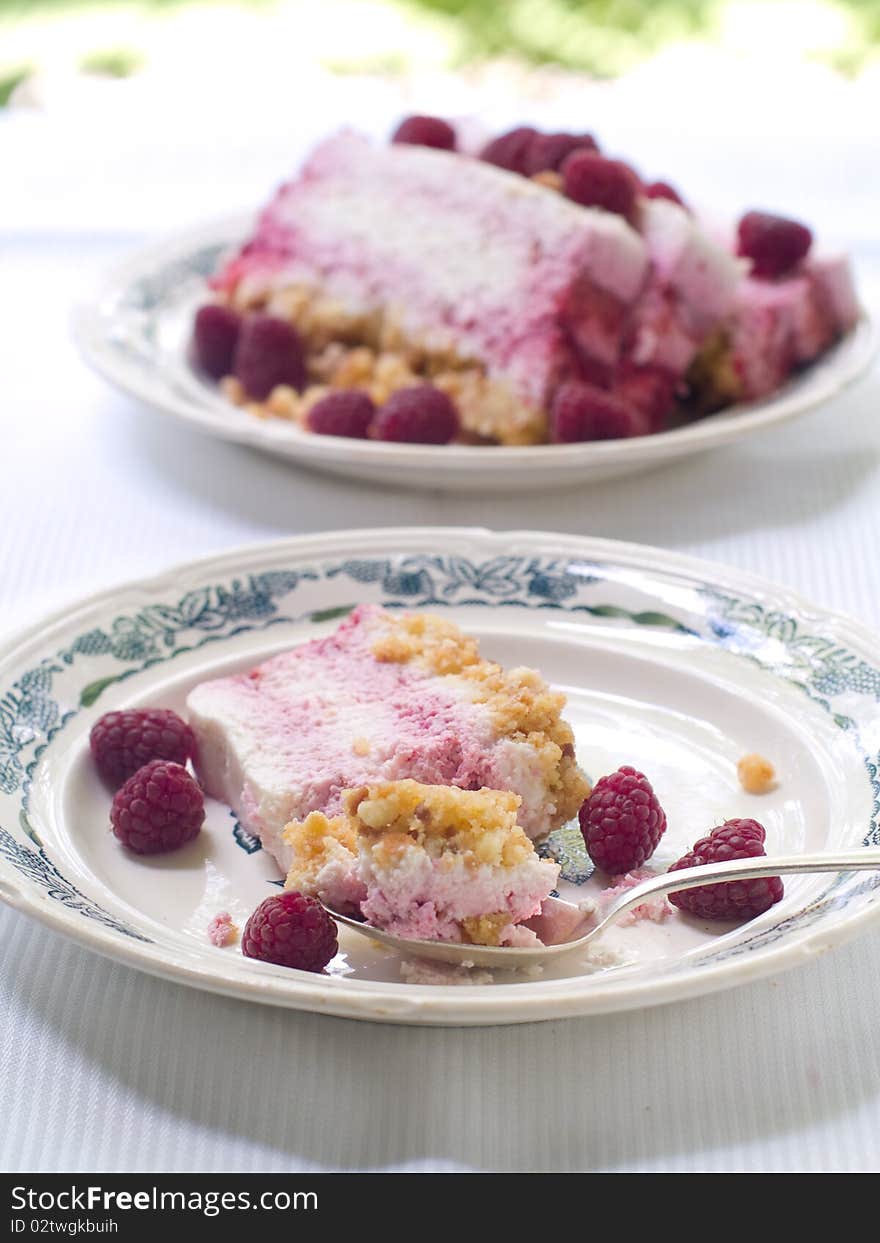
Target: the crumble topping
(395, 826)
(756, 775)
(317, 841)
(549, 178)
(476, 825)
(520, 701)
(712, 378)
(485, 929)
(369, 351)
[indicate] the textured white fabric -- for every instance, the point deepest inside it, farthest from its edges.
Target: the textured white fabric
(103, 1069)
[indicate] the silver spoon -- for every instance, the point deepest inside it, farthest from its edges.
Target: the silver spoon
(501, 956)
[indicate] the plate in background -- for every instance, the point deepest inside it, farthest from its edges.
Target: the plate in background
(135, 327)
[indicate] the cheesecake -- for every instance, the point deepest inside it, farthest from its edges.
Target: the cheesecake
(425, 862)
(501, 283)
(385, 697)
(490, 283)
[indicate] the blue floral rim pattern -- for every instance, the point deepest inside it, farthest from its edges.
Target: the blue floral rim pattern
(31, 715)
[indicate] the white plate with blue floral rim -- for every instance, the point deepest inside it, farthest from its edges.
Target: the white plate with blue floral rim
(134, 330)
(673, 665)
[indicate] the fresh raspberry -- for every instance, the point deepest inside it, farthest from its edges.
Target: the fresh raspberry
(622, 821)
(423, 131)
(420, 414)
(269, 352)
(510, 150)
(581, 411)
(774, 244)
(215, 335)
(347, 412)
(651, 390)
(545, 152)
(122, 742)
(158, 809)
(663, 190)
(592, 371)
(730, 899)
(595, 181)
(291, 930)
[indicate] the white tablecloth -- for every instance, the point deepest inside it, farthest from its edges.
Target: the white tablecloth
(104, 1069)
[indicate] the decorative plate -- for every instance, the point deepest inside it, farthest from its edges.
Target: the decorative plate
(675, 666)
(135, 326)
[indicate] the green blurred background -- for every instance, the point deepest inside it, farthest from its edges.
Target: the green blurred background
(602, 38)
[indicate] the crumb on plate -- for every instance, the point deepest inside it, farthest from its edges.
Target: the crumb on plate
(756, 775)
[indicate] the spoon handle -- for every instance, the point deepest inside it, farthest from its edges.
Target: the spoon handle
(741, 869)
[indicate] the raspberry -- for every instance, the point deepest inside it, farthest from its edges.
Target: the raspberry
(158, 809)
(774, 244)
(424, 131)
(547, 151)
(663, 190)
(731, 899)
(215, 335)
(622, 821)
(650, 390)
(122, 742)
(510, 150)
(347, 412)
(269, 352)
(420, 414)
(291, 930)
(580, 411)
(594, 181)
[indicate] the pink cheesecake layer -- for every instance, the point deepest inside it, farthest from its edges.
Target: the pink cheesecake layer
(833, 277)
(691, 290)
(468, 259)
(290, 736)
(426, 898)
(780, 325)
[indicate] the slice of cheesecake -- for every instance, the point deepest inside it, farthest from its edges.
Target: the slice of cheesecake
(433, 255)
(400, 265)
(424, 861)
(385, 697)
(778, 326)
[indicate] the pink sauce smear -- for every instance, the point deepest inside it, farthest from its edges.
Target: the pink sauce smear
(656, 909)
(221, 930)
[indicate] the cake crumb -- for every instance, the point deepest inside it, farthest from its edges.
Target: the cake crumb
(222, 931)
(283, 402)
(233, 390)
(756, 775)
(549, 178)
(361, 746)
(428, 971)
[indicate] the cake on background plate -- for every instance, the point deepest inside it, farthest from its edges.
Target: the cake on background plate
(534, 291)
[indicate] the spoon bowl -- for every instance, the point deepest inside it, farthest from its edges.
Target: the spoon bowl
(586, 925)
